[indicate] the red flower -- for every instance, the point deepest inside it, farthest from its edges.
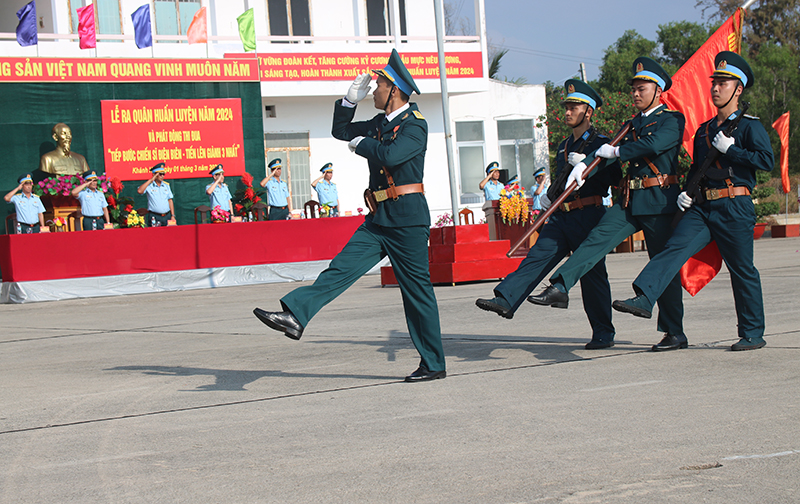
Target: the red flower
(238, 207)
(257, 199)
(247, 179)
(128, 208)
(116, 185)
(249, 193)
(111, 201)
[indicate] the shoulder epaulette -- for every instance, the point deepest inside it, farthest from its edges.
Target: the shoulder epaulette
(752, 117)
(165, 182)
(418, 115)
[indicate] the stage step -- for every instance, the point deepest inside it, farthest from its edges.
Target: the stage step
(463, 254)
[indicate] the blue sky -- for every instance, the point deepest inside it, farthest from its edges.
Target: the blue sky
(547, 40)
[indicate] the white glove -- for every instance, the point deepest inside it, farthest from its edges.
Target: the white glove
(575, 158)
(722, 143)
(607, 151)
(576, 175)
(354, 143)
(544, 201)
(359, 89)
(684, 201)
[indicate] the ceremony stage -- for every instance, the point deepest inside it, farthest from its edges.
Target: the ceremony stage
(53, 266)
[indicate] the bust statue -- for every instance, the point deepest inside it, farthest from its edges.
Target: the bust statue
(62, 161)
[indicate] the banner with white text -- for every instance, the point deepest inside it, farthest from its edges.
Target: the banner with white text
(190, 136)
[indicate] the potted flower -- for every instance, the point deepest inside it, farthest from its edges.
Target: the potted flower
(118, 207)
(133, 219)
(244, 199)
(219, 215)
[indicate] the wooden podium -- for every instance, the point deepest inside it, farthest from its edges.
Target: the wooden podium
(498, 230)
(60, 206)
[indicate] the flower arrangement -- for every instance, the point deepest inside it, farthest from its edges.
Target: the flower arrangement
(133, 219)
(58, 224)
(513, 205)
(444, 220)
(325, 210)
(118, 208)
(220, 215)
(360, 211)
(64, 184)
(244, 199)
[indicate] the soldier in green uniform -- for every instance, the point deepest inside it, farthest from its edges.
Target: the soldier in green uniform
(570, 225)
(398, 226)
(725, 211)
(651, 148)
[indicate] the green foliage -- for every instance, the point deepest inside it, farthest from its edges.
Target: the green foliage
(678, 40)
(617, 61)
(494, 64)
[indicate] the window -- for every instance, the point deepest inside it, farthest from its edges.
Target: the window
(516, 149)
(173, 17)
(471, 163)
(289, 17)
(292, 149)
(378, 19)
(106, 16)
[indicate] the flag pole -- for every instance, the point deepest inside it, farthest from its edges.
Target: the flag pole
(448, 137)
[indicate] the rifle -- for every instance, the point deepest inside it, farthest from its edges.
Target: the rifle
(692, 189)
(567, 191)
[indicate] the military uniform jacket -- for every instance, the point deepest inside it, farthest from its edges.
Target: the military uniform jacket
(751, 151)
(659, 137)
(606, 174)
(398, 146)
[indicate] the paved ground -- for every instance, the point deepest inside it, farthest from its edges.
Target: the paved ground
(186, 397)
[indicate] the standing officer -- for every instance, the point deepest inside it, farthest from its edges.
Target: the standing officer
(29, 208)
(278, 199)
(491, 185)
(725, 212)
(651, 148)
(94, 206)
(570, 225)
(218, 192)
(539, 187)
(160, 207)
(326, 190)
(398, 226)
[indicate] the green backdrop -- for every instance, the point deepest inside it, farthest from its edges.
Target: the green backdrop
(28, 113)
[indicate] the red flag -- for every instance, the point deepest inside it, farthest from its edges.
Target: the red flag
(197, 32)
(689, 92)
(781, 125)
(701, 268)
(86, 30)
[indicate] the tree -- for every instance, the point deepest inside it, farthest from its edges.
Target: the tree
(775, 21)
(618, 58)
(678, 40)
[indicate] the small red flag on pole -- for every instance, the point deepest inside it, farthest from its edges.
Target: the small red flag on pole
(781, 125)
(86, 29)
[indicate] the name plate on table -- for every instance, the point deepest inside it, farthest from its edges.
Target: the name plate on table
(108, 226)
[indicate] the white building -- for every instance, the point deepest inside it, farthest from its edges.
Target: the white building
(490, 120)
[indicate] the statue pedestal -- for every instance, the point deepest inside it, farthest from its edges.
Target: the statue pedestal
(498, 230)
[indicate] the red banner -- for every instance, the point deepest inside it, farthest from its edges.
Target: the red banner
(345, 66)
(127, 70)
(190, 136)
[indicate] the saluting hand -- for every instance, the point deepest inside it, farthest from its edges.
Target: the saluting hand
(359, 89)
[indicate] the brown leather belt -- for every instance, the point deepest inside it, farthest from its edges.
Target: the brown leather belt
(732, 192)
(580, 203)
(395, 191)
(159, 214)
(658, 180)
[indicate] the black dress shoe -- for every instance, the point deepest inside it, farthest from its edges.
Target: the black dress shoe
(599, 344)
(671, 342)
(551, 296)
(493, 305)
(639, 306)
(422, 374)
(281, 321)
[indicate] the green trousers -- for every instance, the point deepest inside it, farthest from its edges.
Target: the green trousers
(407, 248)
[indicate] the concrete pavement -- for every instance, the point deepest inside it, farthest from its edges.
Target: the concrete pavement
(186, 397)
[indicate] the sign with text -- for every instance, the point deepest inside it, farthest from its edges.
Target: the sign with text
(190, 136)
(345, 66)
(127, 70)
